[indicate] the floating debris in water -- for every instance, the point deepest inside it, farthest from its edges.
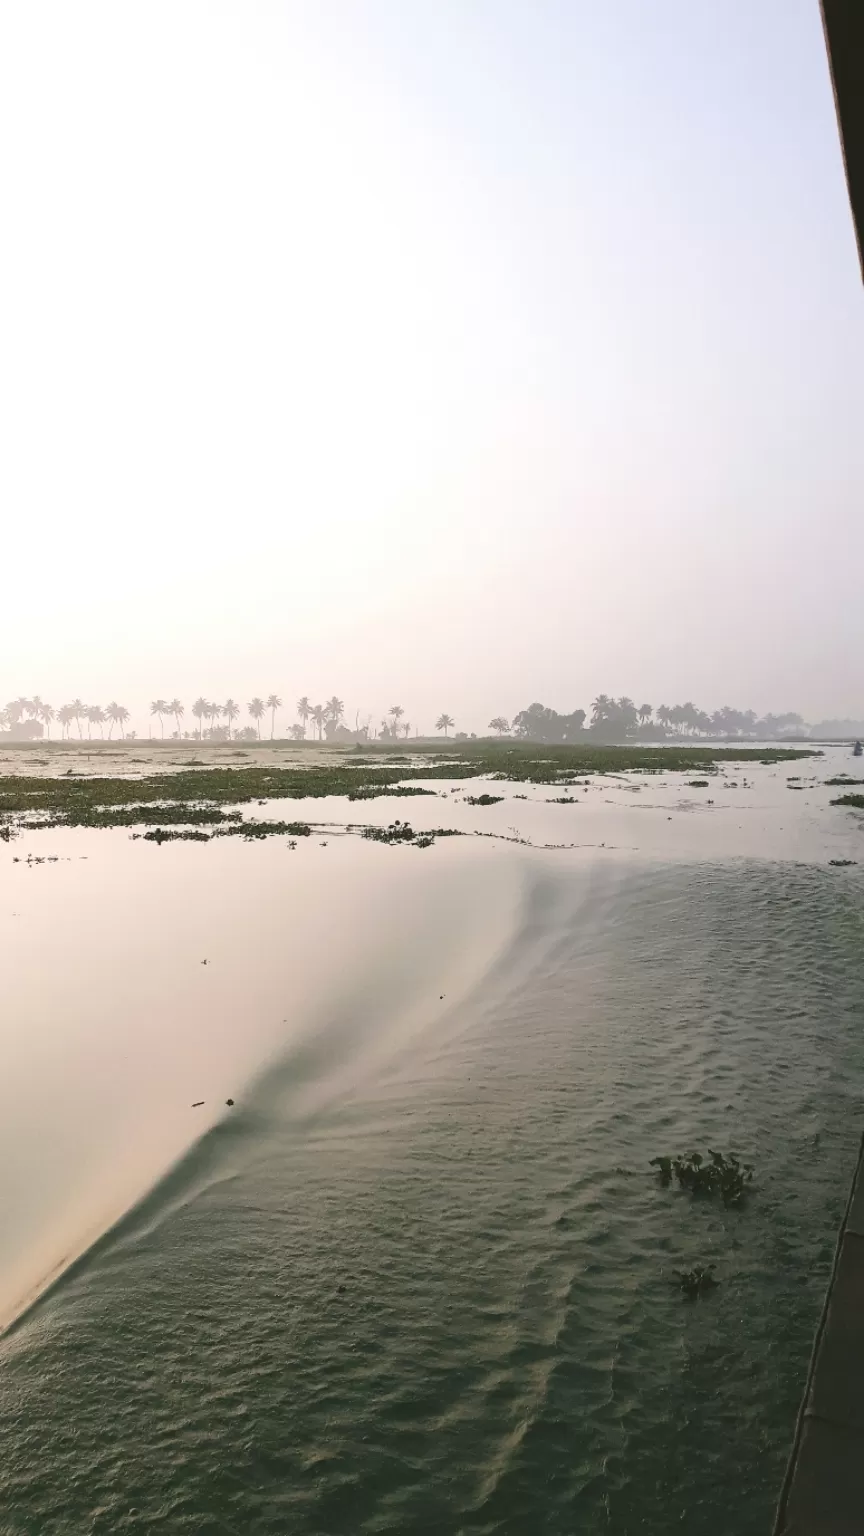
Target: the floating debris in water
(198, 1103)
(721, 1175)
(696, 1281)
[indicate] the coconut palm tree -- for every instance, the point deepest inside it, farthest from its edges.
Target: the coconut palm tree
(397, 712)
(79, 710)
(64, 715)
(304, 710)
(444, 723)
(122, 716)
(230, 710)
(273, 703)
(645, 713)
(160, 708)
(335, 709)
(319, 718)
(664, 715)
(601, 708)
(176, 709)
(213, 713)
(95, 716)
(256, 709)
(200, 710)
(46, 715)
(500, 724)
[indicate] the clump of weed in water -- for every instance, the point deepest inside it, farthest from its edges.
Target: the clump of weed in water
(698, 784)
(403, 832)
(719, 1175)
(696, 1281)
(483, 799)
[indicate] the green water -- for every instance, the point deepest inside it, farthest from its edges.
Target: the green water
(442, 1302)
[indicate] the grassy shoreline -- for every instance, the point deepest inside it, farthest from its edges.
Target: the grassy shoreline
(91, 800)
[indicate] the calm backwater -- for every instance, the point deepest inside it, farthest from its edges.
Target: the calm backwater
(418, 1278)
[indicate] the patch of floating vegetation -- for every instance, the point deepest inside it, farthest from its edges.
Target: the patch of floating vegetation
(842, 780)
(69, 800)
(855, 801)
(483, 799)
(173, 835)
(696, 1281)
(841, 863)
(403, 832)
(237, 828)
(698, 784)
(714, 1175)
(374, 791)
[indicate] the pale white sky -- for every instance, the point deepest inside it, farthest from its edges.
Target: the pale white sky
(454, 353)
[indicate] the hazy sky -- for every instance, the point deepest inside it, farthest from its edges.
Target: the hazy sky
(453, 353)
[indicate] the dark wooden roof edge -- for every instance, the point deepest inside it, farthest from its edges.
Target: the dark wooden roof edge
(843, 25)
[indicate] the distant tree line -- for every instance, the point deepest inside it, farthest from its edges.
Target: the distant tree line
(31, 717)
(611, 720)
(622, 720)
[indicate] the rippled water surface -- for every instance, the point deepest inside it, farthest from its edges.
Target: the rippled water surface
(417, 1278)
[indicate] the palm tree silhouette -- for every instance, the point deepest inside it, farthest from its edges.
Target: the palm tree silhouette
(46, 715)
(176, 709)
(645, 713)
(273, 703)
(500, 724)
(600, 708)
(200, 710)
(160, 708)
(95, 716)
(230, 710)
(444, 723)
(397, 712)
(64, 715)
(116, 713)
(78, 710)
(213, 713)
(304, 710)
(319, 717)
(664, 714)
(335, 709)
(256, 709)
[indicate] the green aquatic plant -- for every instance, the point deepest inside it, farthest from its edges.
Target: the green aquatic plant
(72, 800)
(173, 835)
(714, 1175)
(696, 1281)
(698, 784)
(403, 832)
(375, 791)
(841, 863)
(855, 801)
(483, 799)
